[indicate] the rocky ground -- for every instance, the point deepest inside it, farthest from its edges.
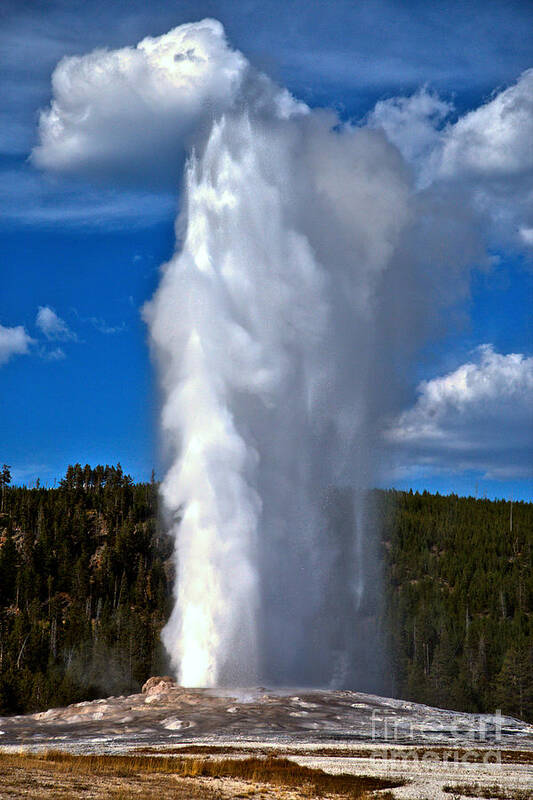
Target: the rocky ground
(335, 731)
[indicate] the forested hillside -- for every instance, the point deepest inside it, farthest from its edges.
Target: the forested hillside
(84, 589)
(85, 577)
(459, 599)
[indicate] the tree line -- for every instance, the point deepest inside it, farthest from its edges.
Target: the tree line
(86, 575)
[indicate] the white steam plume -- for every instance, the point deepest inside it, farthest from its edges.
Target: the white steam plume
(262, 326)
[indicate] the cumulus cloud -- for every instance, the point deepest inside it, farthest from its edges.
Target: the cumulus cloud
(494, 140)
(13, 341)
(478, 417)
(484, 158)
(491, 141)
(128, 113)
(129, 116)
(52, 326)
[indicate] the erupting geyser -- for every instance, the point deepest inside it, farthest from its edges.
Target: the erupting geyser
(267, 330)
(263, 331)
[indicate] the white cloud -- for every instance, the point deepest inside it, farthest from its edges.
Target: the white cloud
(485, 158)
(413, 124)
(479, 417)
(526, 234)
(494, 140)
(128, 116)
(103, 327)
(13, 341)
(57, 354)
(128, 113)
(52, 326)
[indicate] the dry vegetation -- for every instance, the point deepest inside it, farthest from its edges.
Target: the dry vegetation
(55, 775)
(411, 753)
(489, 792)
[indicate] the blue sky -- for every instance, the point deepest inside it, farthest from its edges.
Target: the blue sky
(91, 252)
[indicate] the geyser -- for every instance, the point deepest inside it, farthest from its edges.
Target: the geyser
(263, 329)
(309, 259)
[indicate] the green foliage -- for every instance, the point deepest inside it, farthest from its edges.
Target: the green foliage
(459, 601)
(84, 588)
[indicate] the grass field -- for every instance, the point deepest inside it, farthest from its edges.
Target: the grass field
(61, 776)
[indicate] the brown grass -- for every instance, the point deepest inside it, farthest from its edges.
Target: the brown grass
(490, 792)
(470, 755)
(276, 771)
(271, 772)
